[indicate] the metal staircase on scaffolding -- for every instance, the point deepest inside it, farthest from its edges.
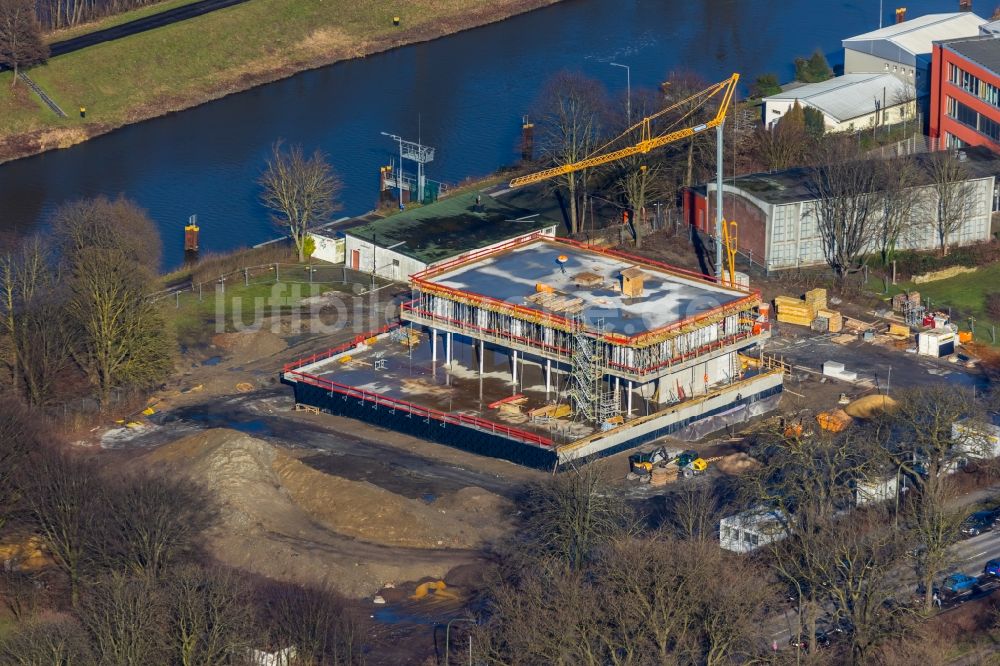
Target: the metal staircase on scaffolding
(593, 402)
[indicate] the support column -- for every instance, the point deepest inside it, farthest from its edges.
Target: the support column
(618, 392)
(718, 202)
(434, 345)
(548, 375)
(513, 366)
(447, 348)
(482, 354)
(630, 397)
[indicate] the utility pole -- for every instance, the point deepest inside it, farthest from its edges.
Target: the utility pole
(628, 87)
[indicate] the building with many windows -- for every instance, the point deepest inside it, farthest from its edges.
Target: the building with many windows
(965, 92)
(905, 49)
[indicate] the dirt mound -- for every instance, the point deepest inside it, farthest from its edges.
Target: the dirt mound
(249, 345)
(869, 406)
(283, 519)
(736, 463)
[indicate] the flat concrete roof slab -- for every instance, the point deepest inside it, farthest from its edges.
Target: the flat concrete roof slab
(512, 276)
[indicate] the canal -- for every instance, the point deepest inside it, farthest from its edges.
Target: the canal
(464, 95)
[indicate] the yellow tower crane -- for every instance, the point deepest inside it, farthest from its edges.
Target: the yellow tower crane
(724, 89)
(730, 242)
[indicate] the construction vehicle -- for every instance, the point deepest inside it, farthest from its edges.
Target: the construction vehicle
(687, 463)
(648, 142)
(643, 463)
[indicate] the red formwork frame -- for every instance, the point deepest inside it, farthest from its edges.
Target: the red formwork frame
(292, 370)
(422, 281)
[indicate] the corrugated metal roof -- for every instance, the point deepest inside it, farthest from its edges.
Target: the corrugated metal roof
(848, 96)
(983, 50)
(915, 36)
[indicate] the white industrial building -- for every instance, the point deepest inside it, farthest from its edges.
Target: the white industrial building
(406, 243)
(749, 530)
(777, 212)
(904, 49)
(849, 102)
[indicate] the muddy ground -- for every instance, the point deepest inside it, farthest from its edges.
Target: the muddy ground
(400, 495)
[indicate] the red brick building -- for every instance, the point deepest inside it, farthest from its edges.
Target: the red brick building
(965, 92)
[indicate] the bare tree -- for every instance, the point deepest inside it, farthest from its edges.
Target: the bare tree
(62, 496)
(21, 43)
(123, 616)
(30, 321)
(918, 439)
(846, 205)
(951, 199)
(150, 522)
(210, 617)
(574, 514)
(59, 641)
(693, 511)
(896, 179)
(780, 147)
(20, 435)
(111, 250)
(571, 110)
(640, 178)
(301, 192)
(698, 151)
(316, 623)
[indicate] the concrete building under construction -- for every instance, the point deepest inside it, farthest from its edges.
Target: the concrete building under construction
(544, 351)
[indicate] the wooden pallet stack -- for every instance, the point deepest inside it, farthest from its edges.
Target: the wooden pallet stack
(794, 311)
(835, 320)
(816, 298)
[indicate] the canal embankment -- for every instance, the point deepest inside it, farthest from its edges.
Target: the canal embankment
(191, 62)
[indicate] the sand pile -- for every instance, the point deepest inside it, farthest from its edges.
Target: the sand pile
(736, 463)
(283, 519)
(869, 406)
(249, 345)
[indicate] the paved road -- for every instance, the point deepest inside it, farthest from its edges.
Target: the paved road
(139, 25)
(971, 556)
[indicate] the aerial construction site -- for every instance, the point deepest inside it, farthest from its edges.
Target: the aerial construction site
(544, 351)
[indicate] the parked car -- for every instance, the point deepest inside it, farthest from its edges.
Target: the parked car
(979, 522)
(958, 584)
(992, 568)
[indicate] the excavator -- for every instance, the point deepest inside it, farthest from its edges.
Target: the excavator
(724, 90)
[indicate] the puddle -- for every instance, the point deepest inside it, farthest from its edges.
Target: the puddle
(430, 498)
(215, 360)
(251, 427)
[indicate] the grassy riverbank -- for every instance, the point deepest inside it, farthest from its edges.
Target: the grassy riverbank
(204, 58)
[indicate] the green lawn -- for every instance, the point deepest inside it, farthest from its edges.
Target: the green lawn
(192, 61)
(965, 294)
(196, 321)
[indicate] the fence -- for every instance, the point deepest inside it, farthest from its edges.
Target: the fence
(273, 273)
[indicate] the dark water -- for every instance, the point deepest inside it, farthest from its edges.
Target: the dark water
(465, 93)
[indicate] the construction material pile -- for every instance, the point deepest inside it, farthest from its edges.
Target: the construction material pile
(801, 311)
(869, 406)
(834, 321)
(835, 421)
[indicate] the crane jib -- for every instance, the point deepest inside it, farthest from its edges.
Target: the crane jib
(727, 87)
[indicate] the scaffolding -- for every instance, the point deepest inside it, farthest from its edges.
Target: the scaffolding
(913, 313)
(593, 402)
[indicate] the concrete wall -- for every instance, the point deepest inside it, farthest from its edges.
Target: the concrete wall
(691, 380)
(856, 62)
(328, 249)
(672, 418)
